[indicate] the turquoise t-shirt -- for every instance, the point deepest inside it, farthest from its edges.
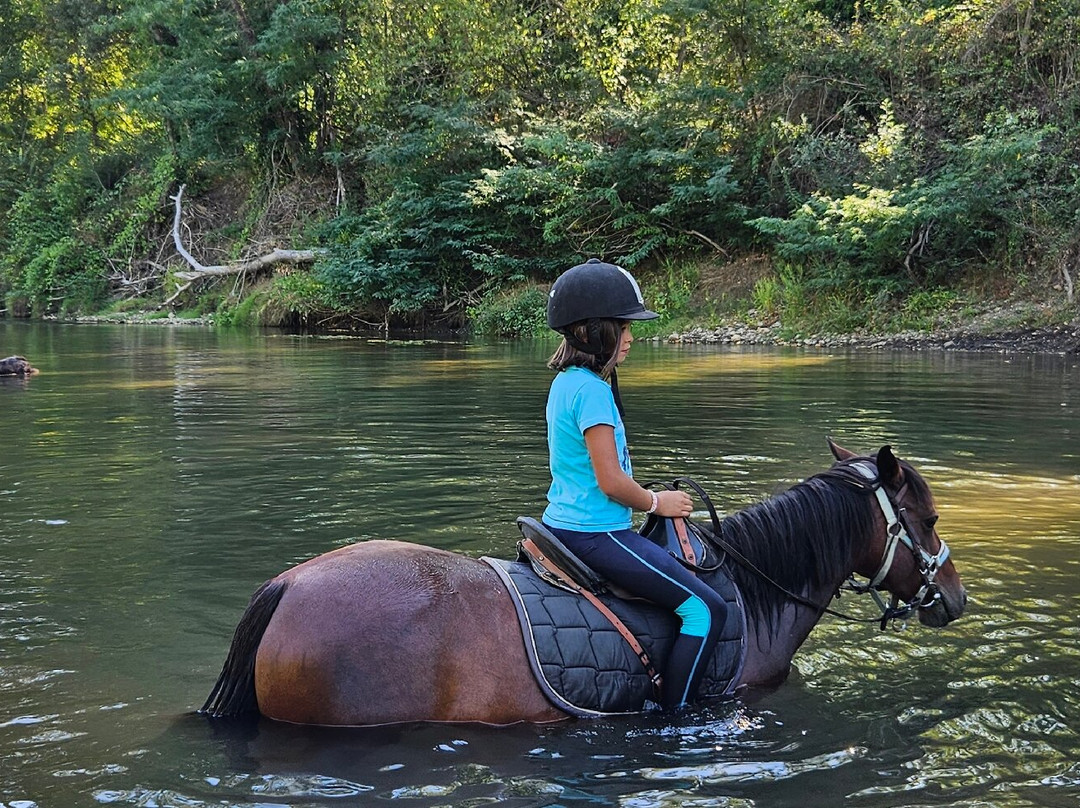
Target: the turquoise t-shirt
(579, 399)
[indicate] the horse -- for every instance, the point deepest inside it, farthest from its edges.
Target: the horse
(388, 632)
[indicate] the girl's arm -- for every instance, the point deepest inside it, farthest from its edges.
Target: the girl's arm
(619, 486)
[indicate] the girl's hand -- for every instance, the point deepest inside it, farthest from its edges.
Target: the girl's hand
(673, 503)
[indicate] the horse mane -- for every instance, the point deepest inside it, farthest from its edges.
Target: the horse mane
(799, 538)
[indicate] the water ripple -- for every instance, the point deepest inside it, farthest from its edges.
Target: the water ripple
(753, 771)
(155, 481)
(279, 785)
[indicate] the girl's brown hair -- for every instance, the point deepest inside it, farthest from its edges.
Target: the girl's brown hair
(605, 331)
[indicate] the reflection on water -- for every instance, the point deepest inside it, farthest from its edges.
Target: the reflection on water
(151, 478)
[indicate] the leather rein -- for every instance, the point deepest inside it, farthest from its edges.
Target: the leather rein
(862, 473)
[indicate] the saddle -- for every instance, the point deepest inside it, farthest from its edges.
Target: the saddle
(589, 644)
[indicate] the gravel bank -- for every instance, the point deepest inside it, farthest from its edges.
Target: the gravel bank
(1063, 340)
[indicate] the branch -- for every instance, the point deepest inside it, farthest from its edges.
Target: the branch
(708, 241)
(179, 291)
(1067, 278)
(917, 246)
(199, 270)
(251, 265)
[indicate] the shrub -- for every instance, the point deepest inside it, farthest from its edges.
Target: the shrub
(517, 312)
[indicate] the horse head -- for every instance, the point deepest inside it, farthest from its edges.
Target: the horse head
(908, 558)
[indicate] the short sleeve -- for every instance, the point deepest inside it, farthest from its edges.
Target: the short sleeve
(595, 405)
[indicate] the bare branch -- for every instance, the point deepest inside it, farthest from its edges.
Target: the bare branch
(1067, 277)
(708, 241)
(177, 294)
(252, 265)
(199, 270)
(176, 231)
(917, 246)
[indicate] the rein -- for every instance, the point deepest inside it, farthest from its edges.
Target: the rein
(897, 531)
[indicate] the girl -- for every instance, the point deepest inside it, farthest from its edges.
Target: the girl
(593, 493)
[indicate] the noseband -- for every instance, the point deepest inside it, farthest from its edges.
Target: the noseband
(898, 531)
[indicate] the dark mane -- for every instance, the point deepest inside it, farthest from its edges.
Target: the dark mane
(799, 538)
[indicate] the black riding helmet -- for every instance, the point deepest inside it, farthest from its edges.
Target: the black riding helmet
(595, 291)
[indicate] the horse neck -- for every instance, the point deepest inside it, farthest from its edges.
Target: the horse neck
(806, 540)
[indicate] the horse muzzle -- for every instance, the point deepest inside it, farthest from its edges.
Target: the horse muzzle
(941, 606)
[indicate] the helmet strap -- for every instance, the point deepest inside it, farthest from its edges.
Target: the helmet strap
(594, 345)
(584, 347)
(615, 392)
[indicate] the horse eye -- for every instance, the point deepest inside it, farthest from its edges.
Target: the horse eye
(931, 522)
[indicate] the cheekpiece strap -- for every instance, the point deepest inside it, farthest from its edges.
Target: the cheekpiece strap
(895, 529)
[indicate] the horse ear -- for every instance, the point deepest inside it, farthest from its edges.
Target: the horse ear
(838, 451)
(889, 467)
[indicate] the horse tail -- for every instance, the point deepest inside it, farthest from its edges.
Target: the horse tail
(234, 693)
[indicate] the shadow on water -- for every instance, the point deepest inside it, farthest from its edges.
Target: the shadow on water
(724, 753)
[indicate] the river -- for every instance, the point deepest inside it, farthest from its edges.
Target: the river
(152, 477)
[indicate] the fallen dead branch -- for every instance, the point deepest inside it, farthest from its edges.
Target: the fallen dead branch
(1067, 278)
(199, 270)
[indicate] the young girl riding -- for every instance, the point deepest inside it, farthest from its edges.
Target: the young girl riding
(593, 493)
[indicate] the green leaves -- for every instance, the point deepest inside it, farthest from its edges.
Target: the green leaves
(447, 151)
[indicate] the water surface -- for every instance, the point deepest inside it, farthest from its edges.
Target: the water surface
(152, 477)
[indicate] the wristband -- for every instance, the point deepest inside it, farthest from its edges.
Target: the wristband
(655, 502)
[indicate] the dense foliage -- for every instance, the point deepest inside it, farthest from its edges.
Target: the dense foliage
(441, 154)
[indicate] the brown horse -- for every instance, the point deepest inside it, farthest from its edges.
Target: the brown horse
(385, 632)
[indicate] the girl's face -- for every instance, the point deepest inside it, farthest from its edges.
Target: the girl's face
(624, 343)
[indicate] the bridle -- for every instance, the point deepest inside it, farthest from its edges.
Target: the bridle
(898, 531)
(863, 474)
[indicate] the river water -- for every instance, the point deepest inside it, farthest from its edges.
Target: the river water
(152, 477)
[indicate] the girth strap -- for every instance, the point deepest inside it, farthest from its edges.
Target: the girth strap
(533, 551)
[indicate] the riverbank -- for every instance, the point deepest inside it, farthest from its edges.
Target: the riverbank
(1063, 340)
(1016, 326)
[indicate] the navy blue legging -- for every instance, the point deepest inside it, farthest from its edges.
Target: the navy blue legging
(648, 571)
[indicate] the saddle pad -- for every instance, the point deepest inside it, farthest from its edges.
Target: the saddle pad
(582, 663)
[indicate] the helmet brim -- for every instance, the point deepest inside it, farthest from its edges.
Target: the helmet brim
(644, 314)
